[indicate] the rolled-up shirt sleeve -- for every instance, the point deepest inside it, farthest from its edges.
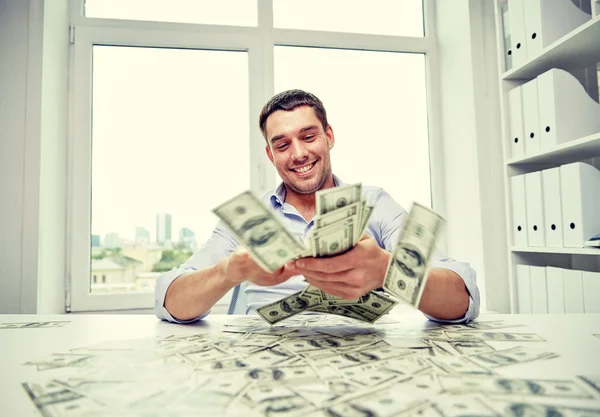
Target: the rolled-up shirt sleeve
(388, 221)
(219, 245)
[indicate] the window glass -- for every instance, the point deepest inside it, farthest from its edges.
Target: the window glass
(170, 141)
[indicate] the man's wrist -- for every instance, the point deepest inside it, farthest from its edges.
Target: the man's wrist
(384, 262)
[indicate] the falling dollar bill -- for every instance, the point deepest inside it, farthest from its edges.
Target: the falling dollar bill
(407, 270)
(267, 240)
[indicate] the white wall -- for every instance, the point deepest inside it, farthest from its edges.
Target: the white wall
(470, 125)
(33, 126)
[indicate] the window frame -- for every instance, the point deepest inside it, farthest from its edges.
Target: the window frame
(258, 42)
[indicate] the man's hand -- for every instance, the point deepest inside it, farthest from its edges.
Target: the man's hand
(349, 275)
(240, 266)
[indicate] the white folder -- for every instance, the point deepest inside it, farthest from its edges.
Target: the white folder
(539, 292)
(519, 211)
(517, 32)
(580, 198)
(566, 110)
(591, 292)
(555, 290)
(552, 208)
(548, 20)
(523, 289)
(531, 117)
(573, 285)
(515, 108)
(534, 199)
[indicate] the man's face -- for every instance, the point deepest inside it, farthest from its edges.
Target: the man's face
(299, 148)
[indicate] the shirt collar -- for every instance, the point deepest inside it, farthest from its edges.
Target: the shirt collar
(278, 195)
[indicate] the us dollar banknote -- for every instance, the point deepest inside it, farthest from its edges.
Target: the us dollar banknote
(337, 197)
(407, 270)
(256, 227)
(291, 305)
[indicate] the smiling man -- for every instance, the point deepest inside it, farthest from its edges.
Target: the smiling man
(298, 143)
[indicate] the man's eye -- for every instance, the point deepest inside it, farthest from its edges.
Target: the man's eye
(281, 147)
(309, 137)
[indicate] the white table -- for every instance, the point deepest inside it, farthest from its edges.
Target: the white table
(571, 336)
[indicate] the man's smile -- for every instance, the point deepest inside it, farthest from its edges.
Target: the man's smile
(304, 169)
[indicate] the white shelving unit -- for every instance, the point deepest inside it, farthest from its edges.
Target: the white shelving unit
(573, 51)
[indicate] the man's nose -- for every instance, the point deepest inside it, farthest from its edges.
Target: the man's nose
(299, 152)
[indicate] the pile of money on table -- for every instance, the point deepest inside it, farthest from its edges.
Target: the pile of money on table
(315, 365)
(341, 219)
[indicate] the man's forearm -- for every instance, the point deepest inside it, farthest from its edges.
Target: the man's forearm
(194, 293)
(445, 296)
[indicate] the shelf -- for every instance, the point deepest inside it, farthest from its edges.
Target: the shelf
(563, 251)
(567, 152)
(574, 50)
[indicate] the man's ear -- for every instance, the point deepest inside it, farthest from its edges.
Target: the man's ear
(269, 154)
(330, 137)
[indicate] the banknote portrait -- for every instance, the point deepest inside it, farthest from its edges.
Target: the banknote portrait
(520, 386)
(532, 410)
(409, 260)
(259, 230)
(294, 304)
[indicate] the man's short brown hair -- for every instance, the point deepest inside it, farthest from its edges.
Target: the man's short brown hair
(288, 101)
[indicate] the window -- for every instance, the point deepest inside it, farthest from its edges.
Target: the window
(158, 148)
(165, 120)
(221, 12)
(376, 104)
(381, 17)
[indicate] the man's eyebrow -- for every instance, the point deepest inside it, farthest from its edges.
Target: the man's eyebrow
(304, 129)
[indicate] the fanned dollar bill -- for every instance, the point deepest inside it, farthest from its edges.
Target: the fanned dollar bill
(265, 237)
(337, 197)
(406, 274)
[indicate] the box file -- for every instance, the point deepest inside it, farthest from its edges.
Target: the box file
(519, 210)
(518, 38)
(539, 293)
(523, 289)
(580, 201)
(548, 20)
(566, 110)
(573, 286)
(555, 290)
(515, 109)
(534, 201)
(531, 117)
(553, 234)
(591, 292)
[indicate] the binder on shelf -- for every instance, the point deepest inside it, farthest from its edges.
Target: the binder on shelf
(516, 12)
(552, 207)
(580, 201)
(515, 110)
(566, 110)
(573, 286)
(534, 201)
(507, 41)
(539, 293)
(591, 292)
(531, 117)
(555, 290)
(548, 20)
(523, 289)
(519, 210)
